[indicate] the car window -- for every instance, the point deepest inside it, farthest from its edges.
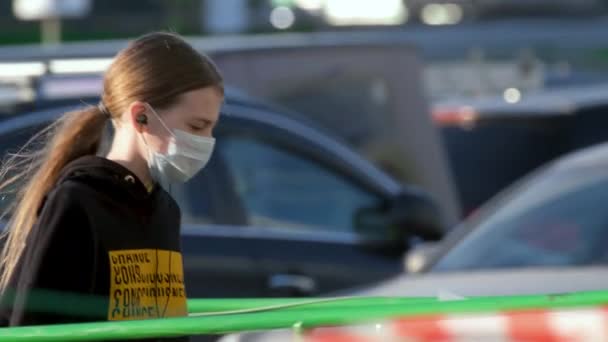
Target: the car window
(361, 96)
(279, 189)
(557, 220)
(194, 199)
(587, 127)
(208, 196)
(364, 97)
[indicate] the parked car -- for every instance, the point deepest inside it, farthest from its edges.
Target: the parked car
(546, 235)
(457, 285)
(552, 218)
(491, 143)
(282, 209)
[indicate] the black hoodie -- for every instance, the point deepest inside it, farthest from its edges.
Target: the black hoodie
(102, 248)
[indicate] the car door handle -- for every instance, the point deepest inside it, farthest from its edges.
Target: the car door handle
(294, 283)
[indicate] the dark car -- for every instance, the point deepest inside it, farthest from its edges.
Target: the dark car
(282, 209)
(491, 143)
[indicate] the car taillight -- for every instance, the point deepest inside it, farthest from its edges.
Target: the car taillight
(454, 116)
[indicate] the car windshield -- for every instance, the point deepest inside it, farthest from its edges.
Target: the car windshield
(527, 143)
(555, 219)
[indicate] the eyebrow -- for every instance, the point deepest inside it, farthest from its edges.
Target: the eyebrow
(207, 121)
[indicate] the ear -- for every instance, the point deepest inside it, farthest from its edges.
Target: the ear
(135, 109)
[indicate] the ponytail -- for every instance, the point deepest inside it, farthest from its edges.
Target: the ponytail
(74, 135)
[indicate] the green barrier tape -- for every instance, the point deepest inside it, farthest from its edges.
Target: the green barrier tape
(319, 314)
(233, 305)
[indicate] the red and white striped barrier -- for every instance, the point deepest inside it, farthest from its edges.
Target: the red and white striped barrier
(588, 325)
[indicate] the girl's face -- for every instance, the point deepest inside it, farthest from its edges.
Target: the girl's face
(197, 112)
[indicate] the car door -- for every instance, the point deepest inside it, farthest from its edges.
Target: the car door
(300, 214)
(217, 259)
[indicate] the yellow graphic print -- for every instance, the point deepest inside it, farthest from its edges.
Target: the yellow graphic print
(146, 283)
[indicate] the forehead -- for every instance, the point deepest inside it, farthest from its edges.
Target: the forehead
(202, 103)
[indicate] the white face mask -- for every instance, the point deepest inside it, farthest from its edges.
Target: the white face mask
(186, 155)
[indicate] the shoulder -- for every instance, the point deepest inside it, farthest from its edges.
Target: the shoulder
(168, 203)
(69, 191)
(69, 188)
(66, 195)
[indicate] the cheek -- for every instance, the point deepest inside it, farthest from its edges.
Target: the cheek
(209, 132)
(163, 137)
(159, 143)
(163, 146)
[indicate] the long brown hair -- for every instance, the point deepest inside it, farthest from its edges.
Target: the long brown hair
(156, 68)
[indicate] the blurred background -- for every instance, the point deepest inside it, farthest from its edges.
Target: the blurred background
(533, 37)
(368, 140)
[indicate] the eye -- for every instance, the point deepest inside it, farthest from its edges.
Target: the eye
(196, 128)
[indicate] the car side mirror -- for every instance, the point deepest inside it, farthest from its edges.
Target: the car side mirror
(410, 213)
(418, 258)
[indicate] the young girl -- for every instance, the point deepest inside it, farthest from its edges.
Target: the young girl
(96, 237)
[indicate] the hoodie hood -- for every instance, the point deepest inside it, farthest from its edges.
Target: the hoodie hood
(99, 222)
(105, 175)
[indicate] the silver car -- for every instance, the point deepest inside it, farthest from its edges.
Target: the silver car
(546, 235)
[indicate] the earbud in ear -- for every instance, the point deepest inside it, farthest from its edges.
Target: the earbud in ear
(142, 119)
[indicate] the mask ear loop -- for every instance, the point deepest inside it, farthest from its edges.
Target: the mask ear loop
(166, 127)
(148, 149)
(146, 143)
(149, 152)
(161, 120)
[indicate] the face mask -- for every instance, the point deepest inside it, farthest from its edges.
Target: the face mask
(186, 155)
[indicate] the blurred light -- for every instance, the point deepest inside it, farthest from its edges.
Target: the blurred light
(449, 116)
(467, 115)
(13, 94)
(310, 5)
(24, 69)
(455, 13)
(282, 18)
(433, 14)
(512, 95)
(415, 264)
(378, 12)
(442, 14)
(281, 3)
(79, 66)
(71, 88)
(43, 9)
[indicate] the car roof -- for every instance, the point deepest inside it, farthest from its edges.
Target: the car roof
(548, 102)
(595, 156)
(522, 281)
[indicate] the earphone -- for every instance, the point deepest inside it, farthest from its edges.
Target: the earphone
(142, 119)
